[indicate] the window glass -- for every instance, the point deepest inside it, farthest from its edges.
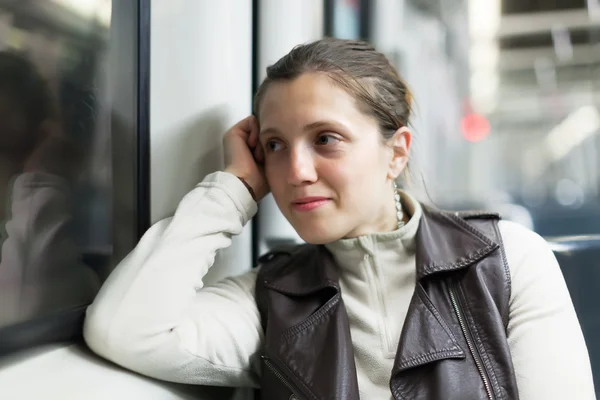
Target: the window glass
(346, 19)
(55, 156)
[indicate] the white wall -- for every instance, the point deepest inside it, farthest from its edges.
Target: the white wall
(201, 70)
(283, 24)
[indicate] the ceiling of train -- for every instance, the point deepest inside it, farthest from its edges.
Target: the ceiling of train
(548, 63)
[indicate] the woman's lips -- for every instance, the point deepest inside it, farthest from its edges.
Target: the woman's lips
(309, 203)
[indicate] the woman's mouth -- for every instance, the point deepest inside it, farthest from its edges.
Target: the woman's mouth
(304, 204)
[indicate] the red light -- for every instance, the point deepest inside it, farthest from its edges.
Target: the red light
(475, 127)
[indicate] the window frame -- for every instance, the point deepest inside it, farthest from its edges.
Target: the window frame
(131, 182)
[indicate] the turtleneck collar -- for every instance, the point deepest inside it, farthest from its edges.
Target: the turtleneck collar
(402, 240)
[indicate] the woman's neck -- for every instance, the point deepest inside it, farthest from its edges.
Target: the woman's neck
(387, 220)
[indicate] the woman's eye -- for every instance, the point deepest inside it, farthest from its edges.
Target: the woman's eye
(273, 146)
(327, 139)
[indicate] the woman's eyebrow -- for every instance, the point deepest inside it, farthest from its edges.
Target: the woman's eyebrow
(268, 130)
(307, 127)
(320, 124)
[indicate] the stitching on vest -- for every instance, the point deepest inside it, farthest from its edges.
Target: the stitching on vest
(421, 293)
(477, 215)
(470, 258)
(429, 356)
(482, 351)
(320, 314)
(283, 290)
(411, 362)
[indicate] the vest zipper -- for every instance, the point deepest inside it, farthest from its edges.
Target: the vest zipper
(467, 334)
(279, 375)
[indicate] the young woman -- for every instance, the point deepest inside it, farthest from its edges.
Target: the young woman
(388, 298)
(40, 271)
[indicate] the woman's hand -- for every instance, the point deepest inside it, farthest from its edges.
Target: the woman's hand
(54, 153)
(244, 156)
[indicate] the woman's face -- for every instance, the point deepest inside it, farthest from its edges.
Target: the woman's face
(17, 139)
(325, 162)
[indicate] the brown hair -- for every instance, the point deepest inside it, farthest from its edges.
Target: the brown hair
(26, 87)
(357, 67)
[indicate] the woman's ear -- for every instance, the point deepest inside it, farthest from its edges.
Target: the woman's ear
(400, 144)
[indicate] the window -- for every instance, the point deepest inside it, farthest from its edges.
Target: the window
(74, 117)
(347, 19)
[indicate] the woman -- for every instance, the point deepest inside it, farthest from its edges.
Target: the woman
(388, 300)
(40, 271)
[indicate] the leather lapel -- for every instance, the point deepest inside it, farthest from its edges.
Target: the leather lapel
(446, 242)
(425, 337)
(316, 351)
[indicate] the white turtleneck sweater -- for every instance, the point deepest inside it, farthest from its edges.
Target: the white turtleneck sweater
(377, 280)
(155, 316)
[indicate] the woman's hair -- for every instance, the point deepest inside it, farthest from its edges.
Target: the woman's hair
(24, 85)
(356, 66)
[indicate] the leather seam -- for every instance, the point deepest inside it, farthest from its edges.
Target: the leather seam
(425, 357)
(294, 330)
(429, 356)
(480, 346)
(280, 289)
(317, 316)
(436, 314)
(471, 258)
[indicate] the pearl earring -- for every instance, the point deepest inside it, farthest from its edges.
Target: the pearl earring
(399, 212)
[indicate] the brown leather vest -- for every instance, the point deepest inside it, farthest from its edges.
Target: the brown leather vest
(453, 343)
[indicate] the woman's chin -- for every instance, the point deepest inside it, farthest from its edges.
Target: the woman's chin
(319, 234)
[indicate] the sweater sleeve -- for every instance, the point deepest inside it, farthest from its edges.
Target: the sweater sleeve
(155, 316)
(544, 335)
(40, 269)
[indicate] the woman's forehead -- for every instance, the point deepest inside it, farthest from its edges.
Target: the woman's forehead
(311, 96)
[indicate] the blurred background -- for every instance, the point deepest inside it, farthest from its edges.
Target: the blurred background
(507, 102)
(112, 110)
(518, 128)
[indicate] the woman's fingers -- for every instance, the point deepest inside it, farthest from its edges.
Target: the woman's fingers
(258, 154)
(254, 131)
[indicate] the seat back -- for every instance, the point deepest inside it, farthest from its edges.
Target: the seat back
(579, 259)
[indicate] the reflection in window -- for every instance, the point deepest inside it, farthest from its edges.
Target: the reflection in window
(55, 163)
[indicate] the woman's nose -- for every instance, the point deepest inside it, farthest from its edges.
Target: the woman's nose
(301, 168)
